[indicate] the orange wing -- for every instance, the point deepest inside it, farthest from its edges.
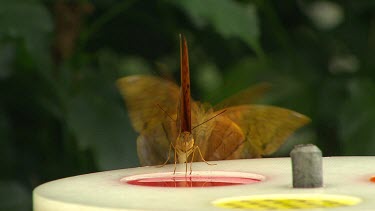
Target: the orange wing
(265, 128)
(246, 131)
(153, 143)
(142, 94)
(219, 138)
(157, 130)
(246, 96)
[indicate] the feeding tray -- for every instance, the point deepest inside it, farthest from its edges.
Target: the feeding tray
(255, 184)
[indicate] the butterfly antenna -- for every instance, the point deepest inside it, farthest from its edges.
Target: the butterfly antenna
(209, 119)
(165, 112)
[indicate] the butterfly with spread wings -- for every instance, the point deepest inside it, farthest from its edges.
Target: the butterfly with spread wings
(166, 117)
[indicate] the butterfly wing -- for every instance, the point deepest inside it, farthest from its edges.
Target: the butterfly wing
(265, 127)
(245, 96)
(219, 138)
(153, 144)
(142, 94)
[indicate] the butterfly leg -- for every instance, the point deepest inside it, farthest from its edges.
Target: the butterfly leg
(175, 161)
(186, 164)
(200, 153)
(191, 162)
(192, 158)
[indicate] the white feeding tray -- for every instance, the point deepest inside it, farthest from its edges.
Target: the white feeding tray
(255, 184)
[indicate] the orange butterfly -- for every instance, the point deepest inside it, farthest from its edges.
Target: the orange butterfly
(187, 126)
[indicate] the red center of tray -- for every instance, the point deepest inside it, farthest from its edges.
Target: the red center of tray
(191, 180)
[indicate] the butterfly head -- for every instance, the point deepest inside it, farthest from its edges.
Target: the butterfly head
(185, 141)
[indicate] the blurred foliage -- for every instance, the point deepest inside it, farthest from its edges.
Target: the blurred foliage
(60, 112)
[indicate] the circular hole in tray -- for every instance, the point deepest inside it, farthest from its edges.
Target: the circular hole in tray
(196, 179)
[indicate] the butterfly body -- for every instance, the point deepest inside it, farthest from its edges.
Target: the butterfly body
(185, 146)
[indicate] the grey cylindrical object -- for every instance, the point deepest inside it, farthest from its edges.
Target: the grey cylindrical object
(307, 166)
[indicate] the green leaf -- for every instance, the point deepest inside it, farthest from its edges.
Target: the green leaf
(229, 18)
(357, 119)
(30, 21)
(208, 80)
(102, 126)
(18, 18)
(14, 197)
(238, 77)
(7, 56)
(134, 66)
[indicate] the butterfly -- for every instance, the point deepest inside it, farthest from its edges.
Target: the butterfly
(166, 117)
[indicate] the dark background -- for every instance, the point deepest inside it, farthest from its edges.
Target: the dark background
(61, 114)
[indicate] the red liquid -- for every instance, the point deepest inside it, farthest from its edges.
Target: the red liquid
(192, 181)
(372, 179)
